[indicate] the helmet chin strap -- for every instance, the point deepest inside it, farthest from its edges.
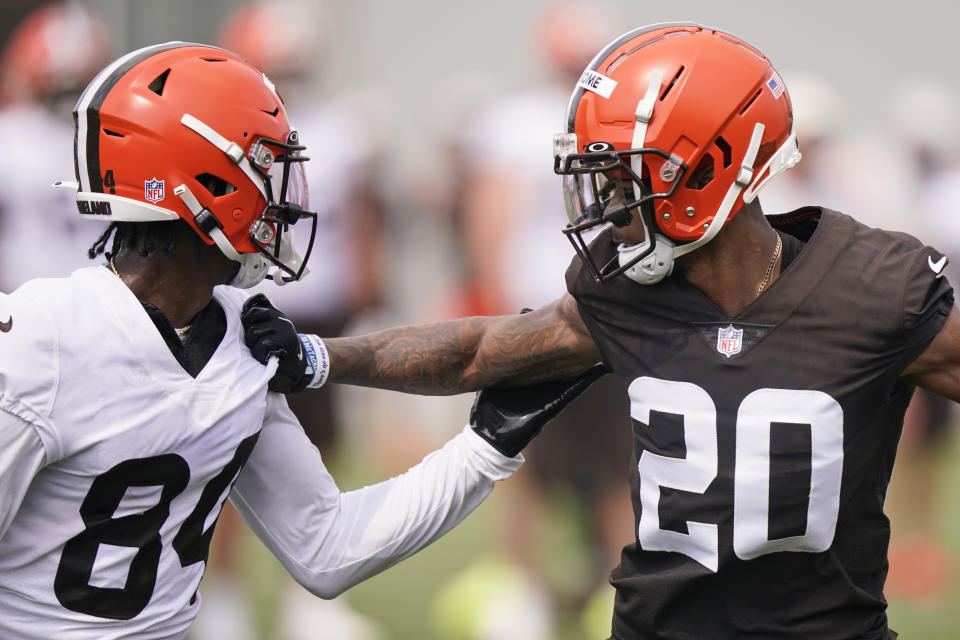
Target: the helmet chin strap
(253, 267)
(786, 157)
(651, 268)
(642, 115)
(659, 264)
(232, 150)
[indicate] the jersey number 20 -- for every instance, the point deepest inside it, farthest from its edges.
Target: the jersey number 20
(801, 409)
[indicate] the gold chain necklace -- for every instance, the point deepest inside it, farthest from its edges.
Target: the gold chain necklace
(182, 331)
(770, 267)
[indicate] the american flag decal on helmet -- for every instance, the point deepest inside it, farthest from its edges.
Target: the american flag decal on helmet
(775, 84)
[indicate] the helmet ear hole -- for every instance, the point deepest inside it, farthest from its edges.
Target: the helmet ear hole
(702, 175)
(216, 185)
(672, 82)
(750, 102)
(726, 151)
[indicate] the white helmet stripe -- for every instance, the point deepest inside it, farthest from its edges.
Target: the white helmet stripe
(594, 65)
(86, 142)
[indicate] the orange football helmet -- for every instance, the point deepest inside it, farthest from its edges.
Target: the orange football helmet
(193, 132)
(680, 124)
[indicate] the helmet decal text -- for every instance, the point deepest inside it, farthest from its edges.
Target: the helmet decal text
(597, 82)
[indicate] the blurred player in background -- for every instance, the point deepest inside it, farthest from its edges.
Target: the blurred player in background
(46, 63)
(342, 173)
(922, 114)
(511, 262)
(348, 281)
(821, 121)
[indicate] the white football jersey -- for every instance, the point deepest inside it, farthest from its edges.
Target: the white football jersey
(140, 456)
(111, 536)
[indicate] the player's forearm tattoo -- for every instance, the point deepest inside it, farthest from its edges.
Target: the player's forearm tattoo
(457, 356)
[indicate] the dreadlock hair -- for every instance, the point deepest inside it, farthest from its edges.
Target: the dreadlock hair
(145, 237)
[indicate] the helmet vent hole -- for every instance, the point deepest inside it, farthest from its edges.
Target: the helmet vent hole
(214, 59)
(273, 113)
(672, 82)
(726, 151)
(750, 102)
(702, 175)
(216, 185)
(113, 133)
(158, 83)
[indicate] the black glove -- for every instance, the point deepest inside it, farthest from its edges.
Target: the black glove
(268, 332)
(509, 417)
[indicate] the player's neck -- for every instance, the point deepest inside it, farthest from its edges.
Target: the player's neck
(179, 285)
(731, 268)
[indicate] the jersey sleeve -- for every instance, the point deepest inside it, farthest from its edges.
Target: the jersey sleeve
(29, 362)
(331, 540)
(21, 457)
(927, 301)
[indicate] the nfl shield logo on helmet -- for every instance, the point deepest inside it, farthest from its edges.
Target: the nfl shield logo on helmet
(729, 340)
(153, 190)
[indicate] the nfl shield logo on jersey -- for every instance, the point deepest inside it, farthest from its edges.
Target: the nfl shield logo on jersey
(153, 190)
(729, 340)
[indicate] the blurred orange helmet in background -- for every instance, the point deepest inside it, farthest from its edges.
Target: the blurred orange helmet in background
(53, 53)
(283, 38)
(569, 32)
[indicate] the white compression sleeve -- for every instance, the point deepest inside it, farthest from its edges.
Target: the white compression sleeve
(330, 541)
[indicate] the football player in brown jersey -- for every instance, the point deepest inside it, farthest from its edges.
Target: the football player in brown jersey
(769, 360)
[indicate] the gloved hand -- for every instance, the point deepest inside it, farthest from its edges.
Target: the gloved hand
(510, 417)
(268, 332)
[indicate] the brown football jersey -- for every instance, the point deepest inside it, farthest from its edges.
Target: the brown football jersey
(764, 443)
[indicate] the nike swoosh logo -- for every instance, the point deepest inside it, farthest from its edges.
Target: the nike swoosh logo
(937, 266)
(299, 355)
(6, 326)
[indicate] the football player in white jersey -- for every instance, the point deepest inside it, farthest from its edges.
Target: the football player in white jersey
(130, 408)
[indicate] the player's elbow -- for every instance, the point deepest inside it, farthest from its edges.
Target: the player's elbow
(328, 592)
(326, 587)
(328, 580)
